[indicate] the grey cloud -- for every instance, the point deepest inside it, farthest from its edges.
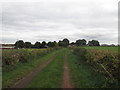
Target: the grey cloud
(56, 20)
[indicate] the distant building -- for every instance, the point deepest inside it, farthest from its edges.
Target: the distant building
(7, 46)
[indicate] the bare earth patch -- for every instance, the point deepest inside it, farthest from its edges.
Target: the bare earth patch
(66, 76)
(28, 78)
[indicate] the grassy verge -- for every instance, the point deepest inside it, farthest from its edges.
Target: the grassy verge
(113, 48)
(50, 76)
(20, 70)
(83, 75)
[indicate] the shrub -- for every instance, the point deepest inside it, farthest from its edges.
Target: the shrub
(105, 62)
(80, 52)
(102, 61)
(12, 57)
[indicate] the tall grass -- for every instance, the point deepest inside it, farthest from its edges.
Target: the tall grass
(12, 73)
(107, 63)
(82, 74)
(104, 62)
(11, 57)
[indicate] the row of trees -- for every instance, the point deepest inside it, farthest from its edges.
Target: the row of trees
(83, 42)
(64, 43)
(22, 44)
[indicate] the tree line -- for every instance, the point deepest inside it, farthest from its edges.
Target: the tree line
(63, 43)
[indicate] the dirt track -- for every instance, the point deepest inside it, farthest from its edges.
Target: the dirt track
(28, 78)
(66, 76)
(25, 81)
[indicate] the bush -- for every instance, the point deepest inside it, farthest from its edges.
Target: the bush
(12, 57)
(105, 62)
(80, 52)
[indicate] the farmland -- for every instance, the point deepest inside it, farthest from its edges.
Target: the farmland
(60, 44)
(79, 67)
(114, 48)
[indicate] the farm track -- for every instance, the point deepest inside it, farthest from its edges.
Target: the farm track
(28, 78)
(67, 83)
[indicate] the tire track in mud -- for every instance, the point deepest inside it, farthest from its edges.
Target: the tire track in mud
(67, 83)
(28, 78)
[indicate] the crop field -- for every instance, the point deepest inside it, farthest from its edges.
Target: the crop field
(72, 67)
(113, 48)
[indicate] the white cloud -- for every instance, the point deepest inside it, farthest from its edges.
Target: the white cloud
(54, 20)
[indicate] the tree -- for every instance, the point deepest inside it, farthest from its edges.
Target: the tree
(27, 45)
(19, 44)
(55, 43)
(63, 43)
(84, 42)
(51, 44)
(66, 41)
(37, 45)
(78, 42)
(94, 43)
(43, 44)
(60, 43)
(81, 42)
(72, 43)
(32, 46)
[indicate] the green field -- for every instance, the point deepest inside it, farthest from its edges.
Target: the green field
(89, 67)
(112, 48)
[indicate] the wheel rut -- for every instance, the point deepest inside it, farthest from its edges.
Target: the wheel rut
(28, 78)
(67, 83)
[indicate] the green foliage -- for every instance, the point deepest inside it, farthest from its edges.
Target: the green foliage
(51, 44)
(64, 43)
(72, 43)
(52, 75)
(103, 48)
(81, 42)
(93, 43)
(104, 62)
(80, 52)
(19, 44)
(27, 45)
(60, 43)
(37, 45)
(12, 74)
(43, 45)
(14, 56)
(82, 74)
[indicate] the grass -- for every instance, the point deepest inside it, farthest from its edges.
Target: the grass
(0, 77)
(20, 70)
(50, 76)
(113, 48)
(10, 57)
(82, 74)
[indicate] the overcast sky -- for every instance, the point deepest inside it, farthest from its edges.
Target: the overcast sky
(55, 20)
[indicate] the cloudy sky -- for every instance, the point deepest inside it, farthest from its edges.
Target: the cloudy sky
(54, 20)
